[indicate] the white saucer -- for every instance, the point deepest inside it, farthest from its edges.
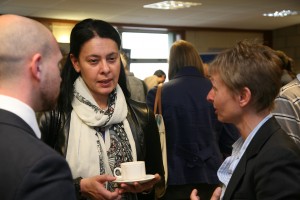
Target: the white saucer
(147, 178)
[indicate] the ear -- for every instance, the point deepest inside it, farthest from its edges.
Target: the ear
(75, 63)
(35, 66)
(245, 97)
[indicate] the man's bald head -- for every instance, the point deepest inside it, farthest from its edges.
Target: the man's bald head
(20, 39)
(29, 62)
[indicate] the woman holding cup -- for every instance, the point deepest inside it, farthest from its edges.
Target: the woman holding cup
(96, 124)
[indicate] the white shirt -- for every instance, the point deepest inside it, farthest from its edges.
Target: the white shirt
(22, 110)
(238, 149)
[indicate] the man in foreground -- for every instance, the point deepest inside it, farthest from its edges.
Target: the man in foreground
(29, 83)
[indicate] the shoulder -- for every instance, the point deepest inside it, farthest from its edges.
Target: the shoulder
(31, 157)
(290, 90)
(139, 108)
(141, 113)
(45, 177)
(278, 143)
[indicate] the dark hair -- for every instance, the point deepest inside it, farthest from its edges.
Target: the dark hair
(159, 73)
(287, 63)
(81, 33)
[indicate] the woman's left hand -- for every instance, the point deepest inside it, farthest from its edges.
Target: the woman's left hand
(139, 187)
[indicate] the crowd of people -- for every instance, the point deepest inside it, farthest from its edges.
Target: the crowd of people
(64, 129)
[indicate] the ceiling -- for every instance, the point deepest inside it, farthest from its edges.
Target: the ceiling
(229, 14)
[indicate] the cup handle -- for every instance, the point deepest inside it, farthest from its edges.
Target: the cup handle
(117, 169)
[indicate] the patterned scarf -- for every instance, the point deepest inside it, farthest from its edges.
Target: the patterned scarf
(99, 140)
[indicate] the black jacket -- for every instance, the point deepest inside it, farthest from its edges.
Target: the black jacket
(29, 168)
(55, 126)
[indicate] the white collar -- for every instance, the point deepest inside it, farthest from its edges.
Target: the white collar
(22, 110)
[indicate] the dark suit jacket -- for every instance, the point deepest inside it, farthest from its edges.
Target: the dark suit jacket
(29, 169)
(269, 168)
(193, 133)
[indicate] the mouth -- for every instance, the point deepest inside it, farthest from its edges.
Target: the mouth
(104, 83)
(216, 111)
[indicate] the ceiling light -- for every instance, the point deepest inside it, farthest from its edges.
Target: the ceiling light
(171, 5)
(282, 13)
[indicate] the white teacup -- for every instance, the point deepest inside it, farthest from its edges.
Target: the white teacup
(131, 170)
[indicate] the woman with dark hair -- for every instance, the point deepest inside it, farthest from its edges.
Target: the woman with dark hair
(97, 126)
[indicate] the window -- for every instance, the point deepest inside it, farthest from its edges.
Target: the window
(148, 52)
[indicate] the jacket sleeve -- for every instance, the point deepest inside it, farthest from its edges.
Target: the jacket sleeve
(51, 124)
(148, 142)
(151, 98)
(42, 180)
(153, 148)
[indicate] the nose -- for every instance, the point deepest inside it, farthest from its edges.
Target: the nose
(104, 67)
(210, 96)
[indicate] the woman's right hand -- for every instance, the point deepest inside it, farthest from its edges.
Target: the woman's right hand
(95, 188)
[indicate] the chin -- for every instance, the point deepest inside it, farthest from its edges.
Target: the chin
(106, 91)
(221, 119)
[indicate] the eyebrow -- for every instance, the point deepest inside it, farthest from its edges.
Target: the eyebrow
(96, 55)
(113, 53)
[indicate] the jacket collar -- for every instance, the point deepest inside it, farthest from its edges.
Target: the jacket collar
(188, 71)
(262, 135)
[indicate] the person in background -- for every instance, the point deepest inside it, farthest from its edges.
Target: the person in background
(287, 68)
(98, 126)
(196, 140)
(29, 83)
(136, 86)
(265, 162)
(205, 69)
(287, 109)
(158, 77)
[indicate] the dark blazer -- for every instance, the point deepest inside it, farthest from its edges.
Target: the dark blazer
(269, 168)
(29, 169)
(193, 133)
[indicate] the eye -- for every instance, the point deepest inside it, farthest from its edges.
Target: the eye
(93, 61)
(112, 57)
(214, 88)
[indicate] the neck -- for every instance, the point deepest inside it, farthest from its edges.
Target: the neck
(249, 121)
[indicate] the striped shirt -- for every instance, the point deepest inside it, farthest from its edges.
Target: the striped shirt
(287, 109)
(238, 149)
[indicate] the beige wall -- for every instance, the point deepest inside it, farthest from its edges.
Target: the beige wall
(288, 40)
(214, 41)
(284, 39)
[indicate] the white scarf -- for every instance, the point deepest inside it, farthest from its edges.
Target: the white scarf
(83, 152)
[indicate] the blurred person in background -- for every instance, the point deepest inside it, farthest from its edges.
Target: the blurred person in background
(197, 142)
(158, 77)
(136, 86)
(287, 68)
(287, 103)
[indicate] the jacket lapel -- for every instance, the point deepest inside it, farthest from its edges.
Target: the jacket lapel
(262, 135)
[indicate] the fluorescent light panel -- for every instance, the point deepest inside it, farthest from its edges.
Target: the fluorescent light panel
(171, 5)
(283, 13)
